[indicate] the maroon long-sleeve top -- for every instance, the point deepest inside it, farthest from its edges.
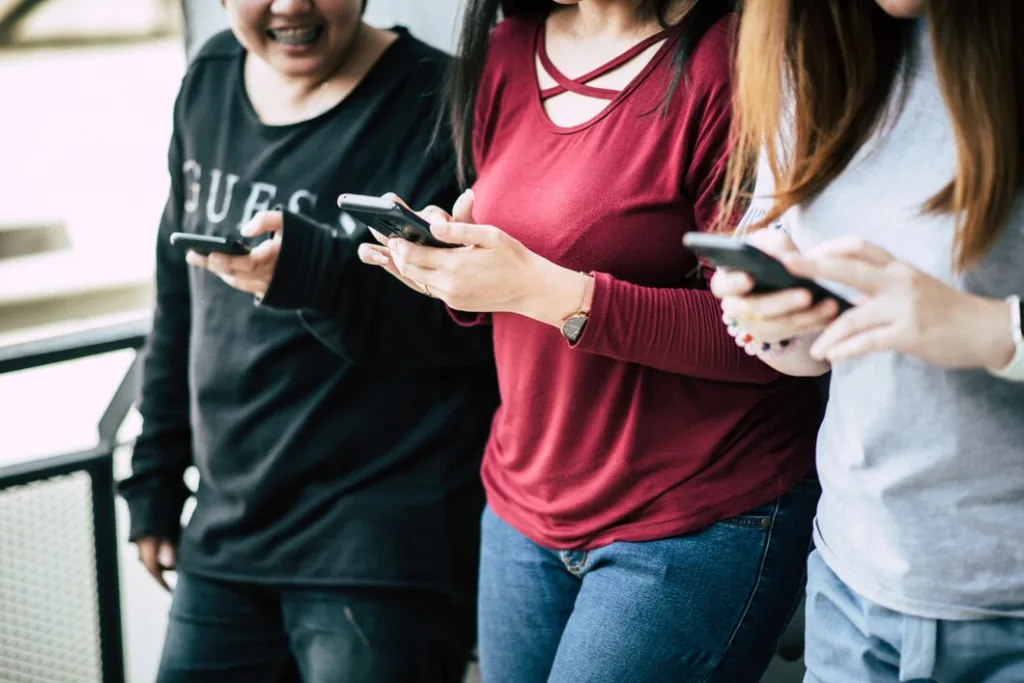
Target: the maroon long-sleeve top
(655, 424)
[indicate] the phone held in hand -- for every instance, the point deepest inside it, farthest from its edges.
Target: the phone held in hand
(767, 272)
(391, 219)
(208, 244)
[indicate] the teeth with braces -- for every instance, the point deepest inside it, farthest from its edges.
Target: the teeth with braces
(295, 36)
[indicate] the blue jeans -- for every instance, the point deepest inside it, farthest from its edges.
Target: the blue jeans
(851, 639)
(707, 606)
(222, 632)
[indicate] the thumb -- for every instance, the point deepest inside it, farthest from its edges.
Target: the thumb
(167, 555)
(262, 223)
(462, 212)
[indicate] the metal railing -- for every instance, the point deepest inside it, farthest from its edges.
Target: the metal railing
(104, 658)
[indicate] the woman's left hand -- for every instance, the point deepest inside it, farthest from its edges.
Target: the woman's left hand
(252, 272)
(489, 272)
(903, 309)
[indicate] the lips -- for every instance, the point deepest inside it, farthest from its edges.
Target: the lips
(296, 36)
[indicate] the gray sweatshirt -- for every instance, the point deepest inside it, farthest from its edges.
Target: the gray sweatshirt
(922, 469)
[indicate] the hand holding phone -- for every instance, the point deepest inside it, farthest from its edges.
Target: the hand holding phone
(391, 219)
(768, 274)
(205, 245)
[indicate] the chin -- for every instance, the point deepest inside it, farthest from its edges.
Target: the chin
(903, 9)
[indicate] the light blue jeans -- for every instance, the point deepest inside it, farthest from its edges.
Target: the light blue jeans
(707, 607)
(853, 640)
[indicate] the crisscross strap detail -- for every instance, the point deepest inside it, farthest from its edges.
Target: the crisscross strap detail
(579, 85)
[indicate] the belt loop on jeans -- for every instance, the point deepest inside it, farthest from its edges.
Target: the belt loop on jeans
(917, 652)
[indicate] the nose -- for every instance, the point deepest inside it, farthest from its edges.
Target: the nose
(286, 7)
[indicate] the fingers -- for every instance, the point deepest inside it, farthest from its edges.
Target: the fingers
(405, 253)
(773, 242)
(860, 275)
(462, 212)
(876, 339)
(224, 264)
(730, 283)
(374, 255)
(263, 254)
(382, 239)
(167, 556)
(247, 284)
(806, 321)
(264, 222)
(435, 214)
(379, 256)
(197, 260)
(395, 198)
(467, 234)
(853, 323)
(767, 306)
(852, 247)
(149, 549)
(419, 277)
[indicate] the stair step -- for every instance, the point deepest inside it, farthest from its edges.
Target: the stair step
(24, 239)
(71, 285)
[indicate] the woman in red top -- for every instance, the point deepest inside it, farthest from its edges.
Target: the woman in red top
(648, 512)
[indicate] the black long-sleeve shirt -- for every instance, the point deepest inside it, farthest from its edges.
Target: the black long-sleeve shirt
(338, 426)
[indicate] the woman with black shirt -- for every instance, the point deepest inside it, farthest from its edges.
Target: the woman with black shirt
(337, 515)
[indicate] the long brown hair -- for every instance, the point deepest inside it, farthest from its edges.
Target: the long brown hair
(832, 71)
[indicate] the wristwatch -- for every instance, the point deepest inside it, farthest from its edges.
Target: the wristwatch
(1014, 371)
(573, 326)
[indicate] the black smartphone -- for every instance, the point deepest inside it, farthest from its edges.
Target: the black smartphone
(767, 272)
(390, 218)
(208, 244)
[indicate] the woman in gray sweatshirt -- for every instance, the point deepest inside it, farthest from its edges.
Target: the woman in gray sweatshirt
(888, 148)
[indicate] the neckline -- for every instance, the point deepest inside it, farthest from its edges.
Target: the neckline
(579, 85)
(370, 75)
(539, 51)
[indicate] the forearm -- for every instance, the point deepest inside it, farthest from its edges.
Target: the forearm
(361, 312)
(675, 330)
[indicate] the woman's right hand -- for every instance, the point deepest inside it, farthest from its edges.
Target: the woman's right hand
(776, 316)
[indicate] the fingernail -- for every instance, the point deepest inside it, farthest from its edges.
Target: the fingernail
(380, 258)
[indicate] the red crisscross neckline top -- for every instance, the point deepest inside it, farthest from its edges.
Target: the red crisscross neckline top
(579, 85)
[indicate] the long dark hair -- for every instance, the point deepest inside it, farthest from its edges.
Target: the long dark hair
(481, 16)
(846, 62)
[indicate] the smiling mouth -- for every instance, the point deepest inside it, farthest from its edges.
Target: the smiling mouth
(305, 35)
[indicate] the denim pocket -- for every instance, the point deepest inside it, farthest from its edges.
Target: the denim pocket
(760, 517)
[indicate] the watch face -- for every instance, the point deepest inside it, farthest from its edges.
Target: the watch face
(573, 328)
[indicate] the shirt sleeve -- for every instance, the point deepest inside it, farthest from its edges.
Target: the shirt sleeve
(360, 311)
(681, 330)
(156, 491)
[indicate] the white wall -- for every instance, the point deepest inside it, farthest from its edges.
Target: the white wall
(432, 21)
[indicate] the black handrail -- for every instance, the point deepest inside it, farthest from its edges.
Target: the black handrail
(97, 462)
(74, 345)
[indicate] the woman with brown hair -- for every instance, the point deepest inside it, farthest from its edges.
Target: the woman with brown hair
(886, 142)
